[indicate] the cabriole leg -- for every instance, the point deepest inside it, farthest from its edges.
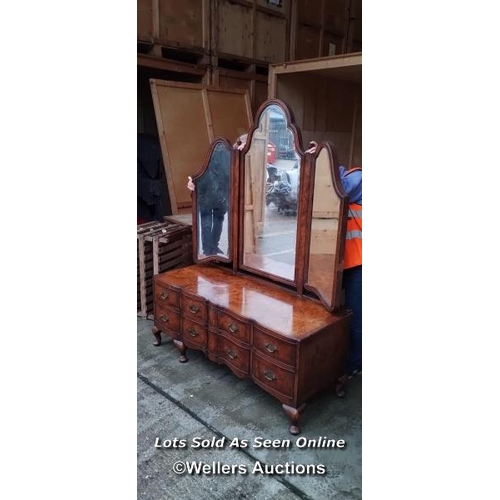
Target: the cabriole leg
(182, 349)
(294, 414)
(157, 334)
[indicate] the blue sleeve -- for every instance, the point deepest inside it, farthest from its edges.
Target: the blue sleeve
(351, 182)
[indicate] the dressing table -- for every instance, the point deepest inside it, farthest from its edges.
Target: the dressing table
(264, 294)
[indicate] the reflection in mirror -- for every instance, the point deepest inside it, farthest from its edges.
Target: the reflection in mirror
(324, 230)
(272, 174)
(212, 203)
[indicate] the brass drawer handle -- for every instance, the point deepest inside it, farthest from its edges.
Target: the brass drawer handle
(232, 354)
(269, 375)
(164, 318)
(164, 295)
(271, 347)
(232, 328)
(194, 309)
(192, 332)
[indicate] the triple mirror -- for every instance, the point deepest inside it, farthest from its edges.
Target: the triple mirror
(289, 207)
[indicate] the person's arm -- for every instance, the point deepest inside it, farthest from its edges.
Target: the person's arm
(351, 184)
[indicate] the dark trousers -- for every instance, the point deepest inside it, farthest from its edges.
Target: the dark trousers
(211, 229)
(352, 280)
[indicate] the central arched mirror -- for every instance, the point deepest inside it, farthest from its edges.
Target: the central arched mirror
(271, 180)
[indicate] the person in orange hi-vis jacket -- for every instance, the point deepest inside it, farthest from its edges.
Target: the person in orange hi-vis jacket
(352, 277)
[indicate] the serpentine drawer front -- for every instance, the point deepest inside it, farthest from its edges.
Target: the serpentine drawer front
(274, 347)
(168, 319)
(238, 329)
(290, 346)
(279, 380)
(194, 308)
(193, 333)
(165, 296)
(234, 355)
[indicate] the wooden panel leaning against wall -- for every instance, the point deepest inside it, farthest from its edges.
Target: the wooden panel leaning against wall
(188, 116)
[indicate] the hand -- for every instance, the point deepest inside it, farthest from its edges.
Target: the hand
(312, 147)
(240, 142)
(190, 184)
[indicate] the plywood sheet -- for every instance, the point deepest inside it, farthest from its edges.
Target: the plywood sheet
(184, 132)
(227, 110)
(188, 117)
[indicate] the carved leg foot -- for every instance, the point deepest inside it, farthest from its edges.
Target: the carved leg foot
(157, 334)
(294, 414)
(340, 386)
(182, 349)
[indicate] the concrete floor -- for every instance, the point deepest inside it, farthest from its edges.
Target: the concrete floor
(203, 400)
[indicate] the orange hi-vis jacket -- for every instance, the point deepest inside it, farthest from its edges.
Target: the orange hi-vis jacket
(353, 243)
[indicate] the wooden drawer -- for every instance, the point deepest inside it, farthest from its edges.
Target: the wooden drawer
(165, 296)
(274, 347)
(234, 327)
(234, 354)
(194, 307)
(272, 376)
(167, 318)
(193, 333)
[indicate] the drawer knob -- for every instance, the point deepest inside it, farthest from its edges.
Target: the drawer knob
(269, 375)
(194, 309)
(232, 354)
(271, 347)
(192, 332)
(232, 328)
(164, 295)
(164, 318)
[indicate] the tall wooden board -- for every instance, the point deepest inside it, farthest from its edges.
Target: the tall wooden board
(189, 117)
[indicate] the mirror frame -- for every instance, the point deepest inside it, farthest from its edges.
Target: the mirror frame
(334, 302)
(236, 213)
(297, 137)
(232, 221)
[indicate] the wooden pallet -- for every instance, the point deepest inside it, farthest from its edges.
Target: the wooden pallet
(160, 246)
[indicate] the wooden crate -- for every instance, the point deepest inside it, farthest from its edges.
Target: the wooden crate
(160, 246)
(259, 30)
(251, 29)
(183, 23)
